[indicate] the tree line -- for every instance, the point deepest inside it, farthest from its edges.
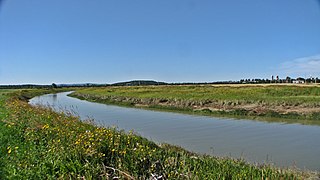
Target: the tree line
(155, 83)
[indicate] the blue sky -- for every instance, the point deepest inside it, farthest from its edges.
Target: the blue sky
(106, 41)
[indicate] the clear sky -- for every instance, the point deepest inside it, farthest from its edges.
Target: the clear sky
(106, 41)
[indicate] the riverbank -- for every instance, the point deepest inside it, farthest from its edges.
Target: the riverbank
(272, 102)
(39, 143)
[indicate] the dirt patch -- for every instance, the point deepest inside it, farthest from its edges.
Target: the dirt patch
(141, 105)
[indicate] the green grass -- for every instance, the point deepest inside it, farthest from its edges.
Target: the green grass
(229, 99)
(37, 143)
(310, 95)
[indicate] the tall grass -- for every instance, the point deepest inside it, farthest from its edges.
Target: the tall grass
(38, 143)
(268, 102)
(272, 94)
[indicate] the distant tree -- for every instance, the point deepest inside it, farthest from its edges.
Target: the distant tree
(54, 85)
(288, 79)
(308, 80)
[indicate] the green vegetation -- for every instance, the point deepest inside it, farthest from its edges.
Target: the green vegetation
(271, 94)
(37, 143)
(251, 101)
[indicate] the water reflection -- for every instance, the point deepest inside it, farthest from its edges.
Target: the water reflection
(54, 97)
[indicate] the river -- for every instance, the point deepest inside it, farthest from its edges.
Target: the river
(284, 145)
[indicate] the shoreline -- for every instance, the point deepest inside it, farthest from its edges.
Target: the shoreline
(270, 116)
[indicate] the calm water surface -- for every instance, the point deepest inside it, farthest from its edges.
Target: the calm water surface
(281, 144)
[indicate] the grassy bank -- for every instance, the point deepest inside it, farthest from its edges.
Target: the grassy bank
(37, 143)
(294, 102)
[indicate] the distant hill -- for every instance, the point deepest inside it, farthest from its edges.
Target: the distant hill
(138, 83)
(82, 85)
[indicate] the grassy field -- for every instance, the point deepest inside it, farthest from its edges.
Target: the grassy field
(269, 94)
(37, 143)
(275, 101)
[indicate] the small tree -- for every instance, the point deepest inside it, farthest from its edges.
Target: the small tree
(54, 85)
(288, 79)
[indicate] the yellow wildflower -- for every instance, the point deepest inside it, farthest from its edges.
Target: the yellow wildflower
(9, 149)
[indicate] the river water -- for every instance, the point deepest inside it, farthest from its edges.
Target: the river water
(284, 145)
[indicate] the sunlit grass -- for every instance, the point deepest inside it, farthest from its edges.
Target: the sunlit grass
(270, 94)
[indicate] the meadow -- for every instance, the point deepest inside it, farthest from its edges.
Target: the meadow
(250, 101)
(38, 143)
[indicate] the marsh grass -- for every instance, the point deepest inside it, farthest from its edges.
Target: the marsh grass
(38, 143)
(271, 100)
(290, 94)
